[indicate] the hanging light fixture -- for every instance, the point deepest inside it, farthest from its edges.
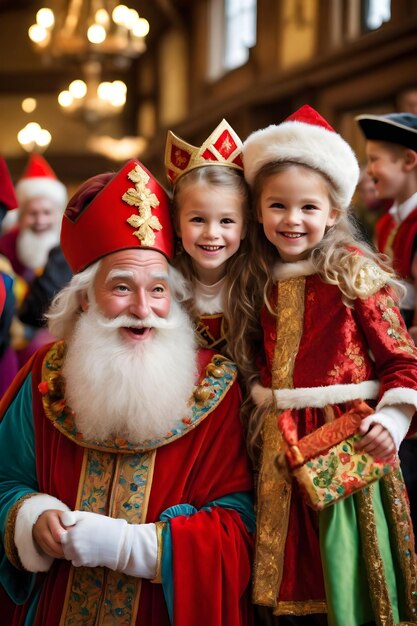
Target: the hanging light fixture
(93, 35)
(34, 138)
(92, 99)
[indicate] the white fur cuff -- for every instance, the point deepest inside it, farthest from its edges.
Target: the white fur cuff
(398, 395)
(31, 557)
(261, 395)
(395, 419)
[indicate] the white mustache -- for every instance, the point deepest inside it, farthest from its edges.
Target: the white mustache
(150, 321)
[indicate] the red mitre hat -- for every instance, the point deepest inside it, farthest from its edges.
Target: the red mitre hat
(131, 211)
(7, 195)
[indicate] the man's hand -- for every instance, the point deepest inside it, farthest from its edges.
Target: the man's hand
(47, 533)
(94, 540)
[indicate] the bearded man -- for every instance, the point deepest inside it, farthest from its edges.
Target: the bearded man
(31, 245)
(41, 201)
(125, 489)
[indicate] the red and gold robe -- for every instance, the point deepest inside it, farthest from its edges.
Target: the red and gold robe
(201, 461)
(320, 356)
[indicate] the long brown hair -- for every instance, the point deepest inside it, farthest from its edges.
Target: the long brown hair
(237, 277)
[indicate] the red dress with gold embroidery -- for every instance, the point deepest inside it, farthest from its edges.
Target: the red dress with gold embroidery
(210, 322)
(210, 332)
(320, 355)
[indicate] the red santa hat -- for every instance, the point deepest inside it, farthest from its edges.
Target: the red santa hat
(305, 137)
(7, 194)
(131, 210)
(39, 179)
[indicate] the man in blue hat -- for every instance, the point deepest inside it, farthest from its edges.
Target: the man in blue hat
(391, 148)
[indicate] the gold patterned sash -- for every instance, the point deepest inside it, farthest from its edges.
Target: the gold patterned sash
(274, 490)
(116, 485)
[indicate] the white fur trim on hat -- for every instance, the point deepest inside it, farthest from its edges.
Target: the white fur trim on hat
(307, 144)
(29, 188)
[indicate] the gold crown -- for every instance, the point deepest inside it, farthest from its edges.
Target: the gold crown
(222, 147)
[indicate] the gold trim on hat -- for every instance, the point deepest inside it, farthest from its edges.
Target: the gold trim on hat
(188, 157)
(145, 200)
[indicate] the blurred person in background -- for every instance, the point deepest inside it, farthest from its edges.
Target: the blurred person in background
(30, 246)
(369, 208)
(406, 100)
(391, 147)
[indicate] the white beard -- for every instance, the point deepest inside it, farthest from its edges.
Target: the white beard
(33, 248)
(134, 391)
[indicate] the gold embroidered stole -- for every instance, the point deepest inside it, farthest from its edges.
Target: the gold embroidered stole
(274, 491)
(117, 485)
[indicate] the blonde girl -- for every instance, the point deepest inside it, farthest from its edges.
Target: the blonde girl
(210, 214)
(331, 334)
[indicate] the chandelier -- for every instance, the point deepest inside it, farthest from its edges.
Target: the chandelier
(93, 35)
(33, 138)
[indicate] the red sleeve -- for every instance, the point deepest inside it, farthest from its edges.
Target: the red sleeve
(391, 346)
(212, 569)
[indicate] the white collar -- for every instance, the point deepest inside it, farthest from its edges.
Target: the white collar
(208, 299)
(400, 212)
(284, 271)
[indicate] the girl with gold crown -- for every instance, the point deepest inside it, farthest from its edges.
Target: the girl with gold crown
(210, 214)
(328, 547)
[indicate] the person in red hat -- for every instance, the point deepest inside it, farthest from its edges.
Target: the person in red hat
(125, 488)
(30, 246)
(41, 201)
(332, 335)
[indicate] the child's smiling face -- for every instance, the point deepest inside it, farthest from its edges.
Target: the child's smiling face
(386, 168)
(211, 226)
(295, 210)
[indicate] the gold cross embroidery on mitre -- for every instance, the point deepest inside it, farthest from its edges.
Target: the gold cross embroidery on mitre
(145, 200)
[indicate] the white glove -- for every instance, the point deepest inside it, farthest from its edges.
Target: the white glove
(94, 540)
(395, 418)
